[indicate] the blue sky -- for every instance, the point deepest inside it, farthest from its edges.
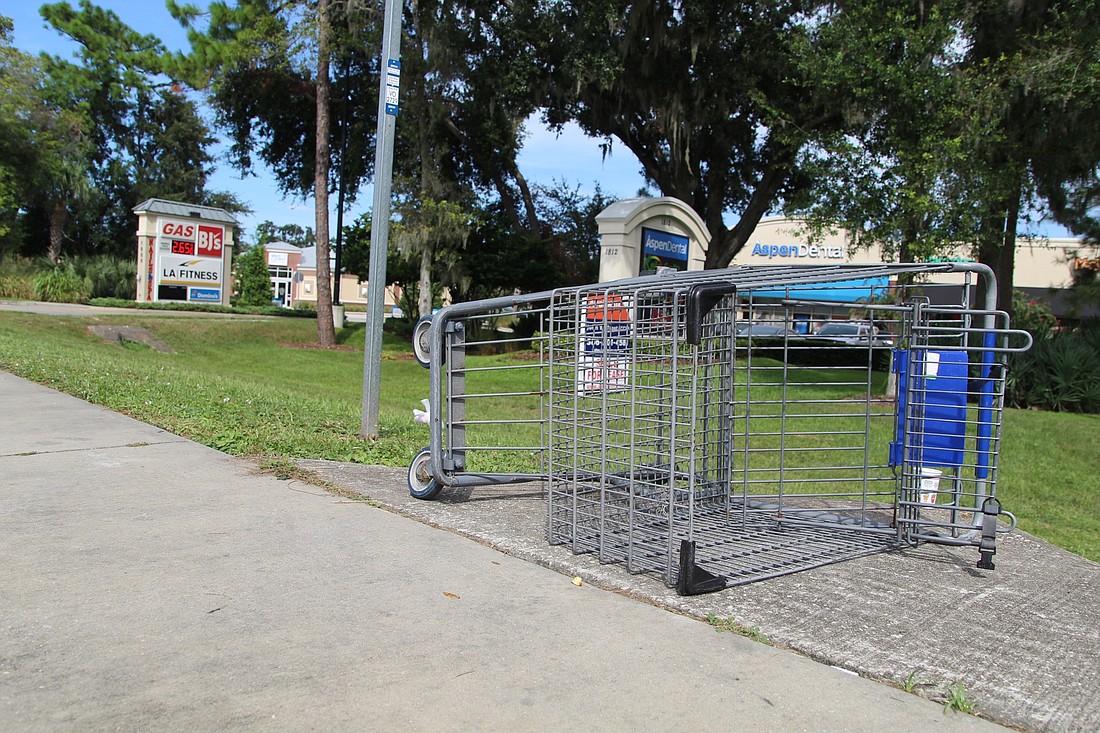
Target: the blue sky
(546, 157)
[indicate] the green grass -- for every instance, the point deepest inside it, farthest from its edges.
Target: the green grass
(242, 387)
(914, 681)
(956, 699)
(734, 626)
(1050, 477)
(229, 385)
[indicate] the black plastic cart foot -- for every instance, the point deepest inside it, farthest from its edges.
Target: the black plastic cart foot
(986, 561)
(694, 580)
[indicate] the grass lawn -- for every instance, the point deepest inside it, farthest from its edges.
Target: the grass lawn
(230, 383)
(248, 387)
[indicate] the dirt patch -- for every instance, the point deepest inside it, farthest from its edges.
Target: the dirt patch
(134, 334)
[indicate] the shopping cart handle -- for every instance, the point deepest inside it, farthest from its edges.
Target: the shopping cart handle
(701, 300)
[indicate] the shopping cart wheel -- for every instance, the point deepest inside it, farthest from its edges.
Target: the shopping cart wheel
(422, 485)
(422, 345)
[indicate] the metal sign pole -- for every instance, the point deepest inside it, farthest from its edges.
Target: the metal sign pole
(388, 99)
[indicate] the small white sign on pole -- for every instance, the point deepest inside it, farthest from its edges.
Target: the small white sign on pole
(603, 363)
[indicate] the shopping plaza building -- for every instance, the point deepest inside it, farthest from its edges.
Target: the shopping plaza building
(638, 235)
(1045, 270)
(293, 272)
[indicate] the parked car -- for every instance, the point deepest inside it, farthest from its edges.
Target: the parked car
(853, 333)
(763, 330)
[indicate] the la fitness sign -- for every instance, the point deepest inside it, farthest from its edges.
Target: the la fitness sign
(797, 251)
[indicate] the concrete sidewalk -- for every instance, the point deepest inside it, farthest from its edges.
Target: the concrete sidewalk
(1024, 639)
(150, 583)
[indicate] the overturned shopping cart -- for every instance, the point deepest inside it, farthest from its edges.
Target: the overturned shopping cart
(720, 427)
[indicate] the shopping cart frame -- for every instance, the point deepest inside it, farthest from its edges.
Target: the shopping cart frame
(441, 465)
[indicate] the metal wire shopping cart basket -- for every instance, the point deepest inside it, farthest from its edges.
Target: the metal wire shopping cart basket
(720, 427)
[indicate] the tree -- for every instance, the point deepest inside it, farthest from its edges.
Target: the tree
(253, 277)
(402, 272)
(20, 80)
(43, 148)
(141, 137)
(709, 96)
(326, 332)
(61, 173)
(430, 232)
(267, 231)
(256, 62)
(978, 116)
(891, 177)
(574, 241)
(265, 68)
(470, 67)
(462, 107)
(1036, 66)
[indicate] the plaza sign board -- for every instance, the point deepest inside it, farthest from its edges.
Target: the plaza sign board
(189, 260)
(663, 249)
(176, 270)
(184, 252)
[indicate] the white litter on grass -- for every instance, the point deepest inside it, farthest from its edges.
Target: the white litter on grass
(421, 416)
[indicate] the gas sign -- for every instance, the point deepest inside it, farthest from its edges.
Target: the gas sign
(182, 247)
(195, 240)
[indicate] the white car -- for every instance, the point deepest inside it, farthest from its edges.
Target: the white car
(763, 330)
(853, 334)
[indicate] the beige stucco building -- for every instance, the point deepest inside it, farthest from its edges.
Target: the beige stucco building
(293, 272)
(1044, 266)
(638, 233)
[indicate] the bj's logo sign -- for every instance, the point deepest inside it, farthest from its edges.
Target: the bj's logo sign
(210, 241)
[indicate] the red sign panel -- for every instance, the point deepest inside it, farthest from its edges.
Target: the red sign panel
(181, 247)
(210, 241)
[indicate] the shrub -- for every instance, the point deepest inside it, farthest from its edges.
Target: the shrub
(60, 284)
(1060, 372)
(1032, 315)
(17, 278)
(253, 278)
(253, 310)
(107, 276)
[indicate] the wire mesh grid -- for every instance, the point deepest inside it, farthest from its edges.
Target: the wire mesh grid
(492, 410)
(770, 455)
